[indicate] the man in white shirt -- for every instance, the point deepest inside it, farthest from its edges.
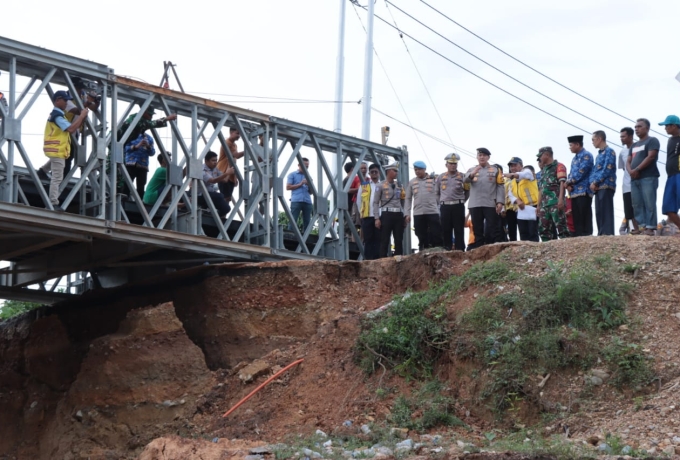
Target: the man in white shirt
(523, 193)
(627, 140)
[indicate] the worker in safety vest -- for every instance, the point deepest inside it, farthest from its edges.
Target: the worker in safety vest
(57, 143)
(523, 195)
(389, 200)
(369, 212)
(422, 192)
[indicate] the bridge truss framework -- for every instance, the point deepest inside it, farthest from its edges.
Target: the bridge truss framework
(118, 240)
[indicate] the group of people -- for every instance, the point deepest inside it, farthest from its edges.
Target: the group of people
(539, 206)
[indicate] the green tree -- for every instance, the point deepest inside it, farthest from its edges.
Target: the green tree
(13, 308)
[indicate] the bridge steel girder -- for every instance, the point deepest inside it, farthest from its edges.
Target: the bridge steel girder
(253, 223)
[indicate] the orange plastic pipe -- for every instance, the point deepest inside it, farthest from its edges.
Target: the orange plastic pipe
(273, 377)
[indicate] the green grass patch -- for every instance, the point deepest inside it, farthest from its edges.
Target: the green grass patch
(630, 366)
(548, 323)
(411, 334)
(530, 443)
(430, 402)
(531, 325)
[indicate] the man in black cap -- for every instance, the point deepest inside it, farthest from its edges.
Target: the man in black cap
(487, 195)
(578, 184)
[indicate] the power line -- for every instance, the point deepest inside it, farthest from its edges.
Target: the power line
(290, 102)
(501, 71)
(422, 80)
(396, 95)
(435, 138)
(267, 97)
(489, 82)
(533, 69)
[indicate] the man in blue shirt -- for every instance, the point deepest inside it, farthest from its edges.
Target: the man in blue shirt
(300, 200)
(578, 184)
(603, 184)
(137, 154)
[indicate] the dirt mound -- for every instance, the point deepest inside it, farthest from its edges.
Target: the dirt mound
(176, 448)
(104, 379)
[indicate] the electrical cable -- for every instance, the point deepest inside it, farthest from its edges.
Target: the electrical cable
(425, 133)
(489, 82)
(269, 97)
(501, 71)
(422, 80)
(290, 102)
(396, 95)
(533, 69)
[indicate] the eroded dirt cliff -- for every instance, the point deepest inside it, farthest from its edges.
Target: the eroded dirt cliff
(105, 377)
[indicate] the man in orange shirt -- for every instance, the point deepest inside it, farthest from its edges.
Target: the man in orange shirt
(227, 185)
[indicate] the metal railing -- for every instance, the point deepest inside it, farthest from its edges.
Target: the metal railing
(92, 187)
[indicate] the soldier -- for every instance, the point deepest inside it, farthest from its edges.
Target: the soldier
(551, 187)
(389, 202)
(453, 192)
(422, 192)
(487, 196)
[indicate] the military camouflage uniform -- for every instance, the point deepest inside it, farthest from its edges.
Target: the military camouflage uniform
(549, 216)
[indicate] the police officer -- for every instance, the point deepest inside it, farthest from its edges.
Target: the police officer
(421, 191)
(487, 196)
(453, 192)
(389, 201)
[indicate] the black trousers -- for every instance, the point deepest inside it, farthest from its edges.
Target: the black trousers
(528, 230)
(582, 212)
(219, 201)
(453, 220)
(604, 211)
(485, 218)
(428, 230)
(371, 238)
(226, 189)
(511, 220)
(392, 223)
(138, 175)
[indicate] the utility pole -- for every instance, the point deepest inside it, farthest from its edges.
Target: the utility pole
(368, 75)
(340, 69)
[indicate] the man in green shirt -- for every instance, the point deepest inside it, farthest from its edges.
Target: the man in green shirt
(157, 182)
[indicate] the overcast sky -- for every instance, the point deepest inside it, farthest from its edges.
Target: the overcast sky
(621, 54)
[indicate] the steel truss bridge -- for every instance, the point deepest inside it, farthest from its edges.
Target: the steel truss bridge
(107, 240)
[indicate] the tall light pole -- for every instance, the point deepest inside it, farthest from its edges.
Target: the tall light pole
(340, 69)
(368, 75)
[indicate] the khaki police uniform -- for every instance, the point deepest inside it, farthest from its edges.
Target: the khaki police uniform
(423, 194)
(453, 193)
(389, 202)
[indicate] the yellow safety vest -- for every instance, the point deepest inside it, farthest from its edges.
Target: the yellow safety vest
(526, 190)
(510, 184)
(365, 209)
(57, 143)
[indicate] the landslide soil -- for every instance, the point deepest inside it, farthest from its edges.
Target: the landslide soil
(104, 377)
